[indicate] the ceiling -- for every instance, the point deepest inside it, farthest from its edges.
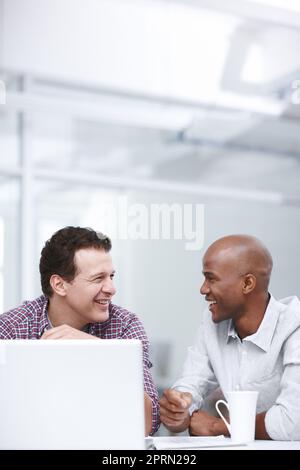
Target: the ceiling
(243, 134)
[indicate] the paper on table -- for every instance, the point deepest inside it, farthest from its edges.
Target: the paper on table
(189, 442)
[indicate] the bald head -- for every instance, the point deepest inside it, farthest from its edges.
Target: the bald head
(243, 254)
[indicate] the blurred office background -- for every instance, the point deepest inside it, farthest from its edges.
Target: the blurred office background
(159, 101)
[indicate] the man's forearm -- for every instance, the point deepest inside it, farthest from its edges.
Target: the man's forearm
(219, 428)
(260, 428)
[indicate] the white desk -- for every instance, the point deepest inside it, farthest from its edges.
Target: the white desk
(271, 445)
(186, 443)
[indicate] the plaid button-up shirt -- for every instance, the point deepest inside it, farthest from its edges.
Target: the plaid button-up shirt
(30, 320)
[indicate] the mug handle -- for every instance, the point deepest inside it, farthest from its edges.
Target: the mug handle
(217, 408)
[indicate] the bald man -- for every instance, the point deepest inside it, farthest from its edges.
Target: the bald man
(247, 341)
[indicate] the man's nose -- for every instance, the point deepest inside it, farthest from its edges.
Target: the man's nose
(109, 287)
(204, 289)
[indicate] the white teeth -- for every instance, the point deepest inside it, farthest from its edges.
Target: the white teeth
(211, 304)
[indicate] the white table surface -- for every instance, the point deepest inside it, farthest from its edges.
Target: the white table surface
(271, 445)
(256, 445)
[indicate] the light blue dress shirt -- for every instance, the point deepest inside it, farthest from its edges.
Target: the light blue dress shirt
(267, 361)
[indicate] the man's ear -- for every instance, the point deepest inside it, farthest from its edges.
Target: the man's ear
(58, 285)
(249, 283)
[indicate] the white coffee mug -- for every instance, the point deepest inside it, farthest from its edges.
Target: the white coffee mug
(241, 405)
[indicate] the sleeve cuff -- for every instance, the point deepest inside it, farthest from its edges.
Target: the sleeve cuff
(193, 408)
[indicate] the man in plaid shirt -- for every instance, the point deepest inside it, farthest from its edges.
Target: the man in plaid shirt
(77, 283)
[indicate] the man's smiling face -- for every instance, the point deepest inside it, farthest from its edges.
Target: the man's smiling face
(92, 288)
(222, 286)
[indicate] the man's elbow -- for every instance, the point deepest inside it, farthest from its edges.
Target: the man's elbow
(281, 425)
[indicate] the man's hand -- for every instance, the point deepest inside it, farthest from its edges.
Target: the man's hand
(203, 424)
(174, 410)
(66, 332)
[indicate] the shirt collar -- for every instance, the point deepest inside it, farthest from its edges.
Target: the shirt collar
(263, 336)
(231, 331)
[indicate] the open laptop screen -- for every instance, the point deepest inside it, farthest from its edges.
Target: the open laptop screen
(71, 394)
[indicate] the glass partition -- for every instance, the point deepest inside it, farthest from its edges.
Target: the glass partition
(9, 242)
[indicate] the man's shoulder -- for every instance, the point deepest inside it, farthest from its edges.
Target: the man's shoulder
(121, 324)
(291, 301)
(25, 312)
(124, 315)
(121, 320)
(289, 308)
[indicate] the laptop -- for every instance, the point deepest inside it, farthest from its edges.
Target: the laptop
(71, 394)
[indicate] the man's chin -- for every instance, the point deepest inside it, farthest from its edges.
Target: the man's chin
(100, 315)
(216, 319)
(103, 316)
(219, 317)
(215, 316)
